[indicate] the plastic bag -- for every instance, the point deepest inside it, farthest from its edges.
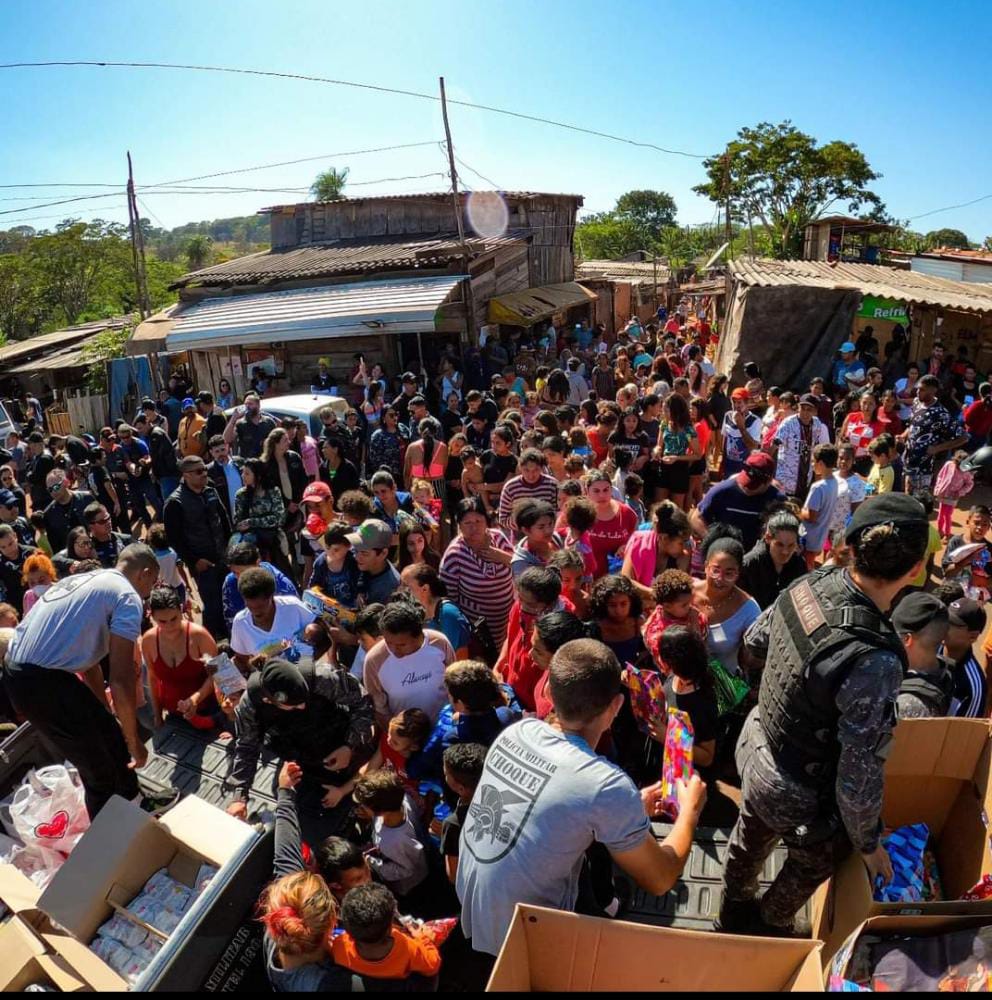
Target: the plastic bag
(228, 680)
(124, 931)
(204, 877)
(647, 697)
(155, 913)
(905, 847)
(730, 689)
(37, 863)
(677, 763)
(49, 808)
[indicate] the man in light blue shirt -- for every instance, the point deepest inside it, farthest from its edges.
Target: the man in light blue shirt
(849, 372)
(73, 626)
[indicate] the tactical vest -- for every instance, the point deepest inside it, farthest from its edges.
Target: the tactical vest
(307, 735)
(818, 629)
(935, 690)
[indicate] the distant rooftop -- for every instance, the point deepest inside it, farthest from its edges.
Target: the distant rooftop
(426, 196)
(955, 253)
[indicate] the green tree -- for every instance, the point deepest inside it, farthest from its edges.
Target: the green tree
(198, 251)
(22, 308)
(98, 351)
(329, 185)
(782, 177)
(946, 238)
(603, 236)
(79, 266)
(987, 243)
(651, 211)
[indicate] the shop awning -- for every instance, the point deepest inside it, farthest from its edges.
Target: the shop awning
(369, 308)
(535, 304)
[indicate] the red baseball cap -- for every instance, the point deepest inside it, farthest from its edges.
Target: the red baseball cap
(740, 393)
(758, 468)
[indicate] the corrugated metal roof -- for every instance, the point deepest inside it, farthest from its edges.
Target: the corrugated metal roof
(48, 342)
(869, 279)
(636, 271)
(366, 308)
(68, 357)
(427, 196)
(316, 260)
(535, 304)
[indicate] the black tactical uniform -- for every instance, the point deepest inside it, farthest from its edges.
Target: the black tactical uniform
(812, 752)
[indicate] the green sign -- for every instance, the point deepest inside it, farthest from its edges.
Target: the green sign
(873, 307)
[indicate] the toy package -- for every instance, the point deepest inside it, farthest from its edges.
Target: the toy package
(647, 698)
(677, 764)
(228, 680)
(331, 610)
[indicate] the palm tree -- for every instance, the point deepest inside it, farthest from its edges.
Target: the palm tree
(198, 251)
(329, 185)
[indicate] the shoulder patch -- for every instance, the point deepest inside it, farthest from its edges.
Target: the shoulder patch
(811, 615)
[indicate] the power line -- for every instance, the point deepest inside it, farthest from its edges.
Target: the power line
(360, 86)
(492, 184)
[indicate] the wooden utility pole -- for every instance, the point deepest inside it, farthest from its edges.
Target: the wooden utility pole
(137, 243)
(726, 191)
(456, 204)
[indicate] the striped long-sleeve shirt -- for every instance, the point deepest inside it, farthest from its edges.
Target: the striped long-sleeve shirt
(517, 488)
(970, 689)
(480, 587)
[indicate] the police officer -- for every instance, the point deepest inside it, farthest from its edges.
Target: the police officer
(921, 621)
(318, 717)
(812, 751)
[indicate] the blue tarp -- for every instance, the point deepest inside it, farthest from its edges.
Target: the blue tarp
(129, 377)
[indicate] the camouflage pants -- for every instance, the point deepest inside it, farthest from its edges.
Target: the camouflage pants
(775, 807)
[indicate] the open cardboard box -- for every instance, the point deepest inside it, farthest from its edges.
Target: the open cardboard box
(110, 865)
(548, 950)
(33, 950)
(938, 773)
(899, 926)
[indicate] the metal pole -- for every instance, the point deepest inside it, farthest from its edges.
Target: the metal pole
(137, 236)
(134, 238)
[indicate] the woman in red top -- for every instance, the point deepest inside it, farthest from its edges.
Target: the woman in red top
(859, 429)
(599, 436)
(174, 649)
(615, 521)
(551, 632)
(888, 413)
(703, 422)
(538, 592)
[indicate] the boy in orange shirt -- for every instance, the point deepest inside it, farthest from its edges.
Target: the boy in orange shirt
(373, 944)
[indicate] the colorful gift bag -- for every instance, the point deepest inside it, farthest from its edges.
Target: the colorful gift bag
(730, 689)
(677, 763)
(647, 698)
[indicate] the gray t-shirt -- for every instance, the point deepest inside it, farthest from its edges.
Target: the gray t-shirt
(542, 800)
(69, 628)
(822, 498)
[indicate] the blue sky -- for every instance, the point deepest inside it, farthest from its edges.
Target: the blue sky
(907, 81)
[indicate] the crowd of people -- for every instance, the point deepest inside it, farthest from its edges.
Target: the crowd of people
(438, 618)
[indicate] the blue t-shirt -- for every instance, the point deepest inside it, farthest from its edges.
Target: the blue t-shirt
(452, 624)
(727, 503)
(89, 608)
(822, 498)
(854, 368)
(340, 584)
(231, 597)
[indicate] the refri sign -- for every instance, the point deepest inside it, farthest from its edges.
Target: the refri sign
(873, 307)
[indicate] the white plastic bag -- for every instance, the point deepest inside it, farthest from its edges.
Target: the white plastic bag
(49, 809)
(38, 863)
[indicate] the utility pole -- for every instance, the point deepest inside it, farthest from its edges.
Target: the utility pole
(137, 243)
(726, 192)
(456, 204)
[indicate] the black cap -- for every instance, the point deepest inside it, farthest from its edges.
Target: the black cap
(886, 508)
(283, 683)
(916, 611)
(408, 377)
(968, 614)
(808, 399)
(204, 397)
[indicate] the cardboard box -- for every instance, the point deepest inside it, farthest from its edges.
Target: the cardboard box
(110, 865)
(898, 926)
(548, 950)
(33, 950)
(938, 773)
